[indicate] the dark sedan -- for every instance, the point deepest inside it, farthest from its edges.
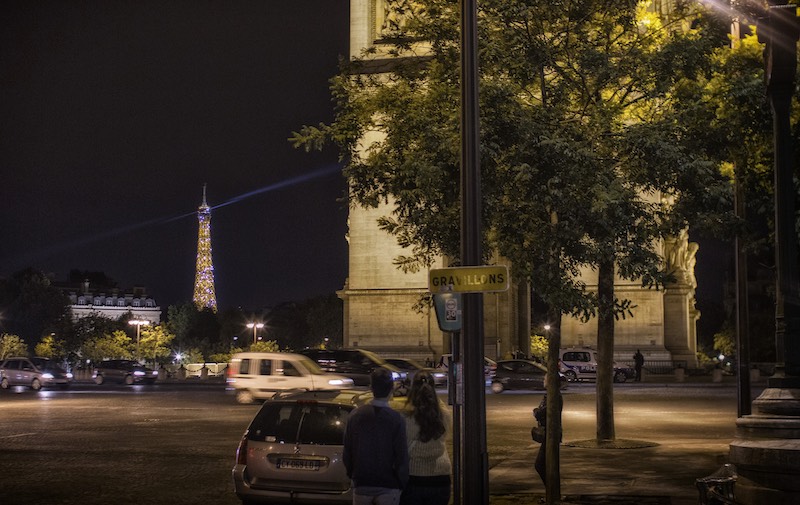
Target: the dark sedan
(520, 374)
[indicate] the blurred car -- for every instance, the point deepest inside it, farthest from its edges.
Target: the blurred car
(581, 364)
(34, 373)
(521, 374)
(357, 364)
(410, 367)
(259, 375)
(292, 450)
(123, 371)
(489, 366)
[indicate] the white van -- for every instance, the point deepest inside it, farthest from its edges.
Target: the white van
(581, 364)
(259, 375)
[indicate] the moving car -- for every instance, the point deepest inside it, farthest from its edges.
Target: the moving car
(489, 366)
(34, 373)
(259, 375)
(581, 364)
(521, 374)
(410, 367)
(123, 371)
(292, 450)
(357, 364)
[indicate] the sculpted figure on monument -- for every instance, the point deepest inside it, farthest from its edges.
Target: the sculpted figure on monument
(680, 258)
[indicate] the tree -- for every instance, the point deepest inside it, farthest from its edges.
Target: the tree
(50, 347)
(12, 345)
(32, 306)
(581, 163)
(155, 342)
(114, 345)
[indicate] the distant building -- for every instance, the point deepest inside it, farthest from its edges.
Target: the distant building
(111, 303)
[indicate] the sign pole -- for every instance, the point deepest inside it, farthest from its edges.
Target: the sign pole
(475, 473)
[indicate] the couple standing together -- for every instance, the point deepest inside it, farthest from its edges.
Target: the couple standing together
(399, 457)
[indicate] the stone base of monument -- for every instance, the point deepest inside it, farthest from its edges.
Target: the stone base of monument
(766, 451)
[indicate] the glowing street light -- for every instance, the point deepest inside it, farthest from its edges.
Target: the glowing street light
(138, 323)
(256, 327)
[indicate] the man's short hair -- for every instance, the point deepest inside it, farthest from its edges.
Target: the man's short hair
(381, 382)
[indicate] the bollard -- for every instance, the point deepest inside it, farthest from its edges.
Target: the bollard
(716, 375)
(680, 374)
(755, 375)
(204, 373)
(718, 488)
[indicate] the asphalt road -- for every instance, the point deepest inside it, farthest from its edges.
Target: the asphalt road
(175, 443)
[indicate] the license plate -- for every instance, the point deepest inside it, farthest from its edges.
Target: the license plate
(298, 464)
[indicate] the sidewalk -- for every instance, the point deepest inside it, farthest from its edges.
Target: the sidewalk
(664, 474)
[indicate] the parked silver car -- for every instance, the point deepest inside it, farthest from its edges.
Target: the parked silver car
(34, 373)
(292, 450)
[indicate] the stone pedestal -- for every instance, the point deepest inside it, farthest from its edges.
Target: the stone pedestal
(766, 450)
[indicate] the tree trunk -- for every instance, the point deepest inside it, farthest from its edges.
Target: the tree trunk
(554, 405)
(605, 351)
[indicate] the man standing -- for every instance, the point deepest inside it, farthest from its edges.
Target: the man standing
(638, 363)
(375, 450)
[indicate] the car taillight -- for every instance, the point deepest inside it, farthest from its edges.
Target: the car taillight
(241, 451)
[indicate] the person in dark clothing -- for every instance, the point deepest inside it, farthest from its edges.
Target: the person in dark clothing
(540, 413)
(638, 363)
(375, 452)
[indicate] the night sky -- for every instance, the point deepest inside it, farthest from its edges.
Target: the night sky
(113, 114)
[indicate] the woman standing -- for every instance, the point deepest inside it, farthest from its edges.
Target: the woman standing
(426, 429)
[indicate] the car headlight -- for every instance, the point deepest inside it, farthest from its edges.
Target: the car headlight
(395, 376)
(138, 373)
(340, 382)
(47, 375)
(69, 375)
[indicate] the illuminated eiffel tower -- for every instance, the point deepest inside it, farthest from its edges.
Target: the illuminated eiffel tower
(204, 296)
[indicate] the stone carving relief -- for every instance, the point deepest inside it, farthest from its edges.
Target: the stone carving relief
(391, 16)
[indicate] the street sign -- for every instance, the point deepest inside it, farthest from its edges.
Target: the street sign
(448, 310)
(478, 279)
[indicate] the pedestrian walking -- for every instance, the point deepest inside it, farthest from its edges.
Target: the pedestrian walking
(375, 452)
(638, 363)
(426, 428)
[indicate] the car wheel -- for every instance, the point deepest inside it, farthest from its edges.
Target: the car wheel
(497, 388)
(4, 384)
(571, 375)
(620, 376)
(99, 379)
(129, 380)
(36, 385)
(244, 396)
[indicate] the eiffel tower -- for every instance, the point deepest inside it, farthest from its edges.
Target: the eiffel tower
(204, 296)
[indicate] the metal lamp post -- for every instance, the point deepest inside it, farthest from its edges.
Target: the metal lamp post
(256, 327)
(138, 323)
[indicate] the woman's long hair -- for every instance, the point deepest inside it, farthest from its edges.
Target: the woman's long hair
(427, 411)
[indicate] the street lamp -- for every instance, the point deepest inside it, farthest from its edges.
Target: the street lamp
(256, 327)
(138, 323)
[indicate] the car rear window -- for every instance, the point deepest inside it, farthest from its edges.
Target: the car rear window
(297, 422)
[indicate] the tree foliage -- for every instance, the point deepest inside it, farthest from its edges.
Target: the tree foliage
(12, 345)
(576, 150)
(114, 345)
(155, 343)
